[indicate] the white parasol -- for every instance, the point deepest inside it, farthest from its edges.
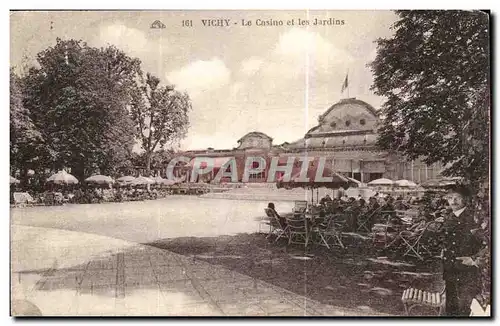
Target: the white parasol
(405, 183)
(381, 182)
(100, 179)
(63, 177)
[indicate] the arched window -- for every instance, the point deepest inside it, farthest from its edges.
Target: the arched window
(348, 123)
(362, 122)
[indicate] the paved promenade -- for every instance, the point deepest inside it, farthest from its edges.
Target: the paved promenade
(65, 273)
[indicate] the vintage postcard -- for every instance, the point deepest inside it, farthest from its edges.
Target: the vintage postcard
(250, 163)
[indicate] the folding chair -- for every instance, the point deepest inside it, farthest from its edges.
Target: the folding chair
(363, 222)
(413, 242)
(298, 231)
(366, 220)
(266, 220)
(328, 231)
(275, 226)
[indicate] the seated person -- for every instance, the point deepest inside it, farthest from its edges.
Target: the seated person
(389, 204)
(326, 200)
(373, 204)
(272, 208)
(401, 205)
(419, 225)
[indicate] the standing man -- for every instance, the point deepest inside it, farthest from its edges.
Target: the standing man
(460, 271)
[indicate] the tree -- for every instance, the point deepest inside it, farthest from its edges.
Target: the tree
(434, 73)
(78, 98)
(25, 139)
(161, 115)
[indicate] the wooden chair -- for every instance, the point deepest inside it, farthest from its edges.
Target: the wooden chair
(298, 231)
(413, 297)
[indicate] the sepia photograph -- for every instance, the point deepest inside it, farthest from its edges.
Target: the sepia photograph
(250, 163)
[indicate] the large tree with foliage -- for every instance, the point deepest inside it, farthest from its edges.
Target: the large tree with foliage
(25, 140)
(161, 115)
(434, 73)
(78, 97)
(158, 161)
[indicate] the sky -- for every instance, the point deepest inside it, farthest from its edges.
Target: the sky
(272, 79)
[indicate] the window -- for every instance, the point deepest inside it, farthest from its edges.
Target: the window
(348, 123)
(362, 122)
(333, 124)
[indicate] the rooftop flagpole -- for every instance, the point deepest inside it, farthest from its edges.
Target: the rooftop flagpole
(345, 84)
(347, 78)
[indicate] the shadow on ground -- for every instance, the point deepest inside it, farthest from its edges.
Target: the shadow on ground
(124, 283)
(356, 277)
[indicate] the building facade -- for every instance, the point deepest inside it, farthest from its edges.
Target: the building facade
(346, 136)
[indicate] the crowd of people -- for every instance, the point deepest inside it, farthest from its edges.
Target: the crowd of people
(84, 194)
(452, 223)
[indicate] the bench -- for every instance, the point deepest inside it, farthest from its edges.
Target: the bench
(413, 297)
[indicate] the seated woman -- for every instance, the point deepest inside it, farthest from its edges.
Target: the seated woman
(281, 219)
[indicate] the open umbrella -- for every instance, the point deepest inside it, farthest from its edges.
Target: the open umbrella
(405, 183)
(126, 179)
(381, 182)
(355, 183)
(363, 192)
(337, 180)
(142, 181)
(100, 179)
(62, 177)
(13, 180)
(171, 182)
(442, 182)
(168, 182)
(158, 180)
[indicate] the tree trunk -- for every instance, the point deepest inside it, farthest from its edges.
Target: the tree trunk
(79, 171)
(24, 178)
(148, 163)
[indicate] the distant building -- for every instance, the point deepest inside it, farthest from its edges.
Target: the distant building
(346, 135)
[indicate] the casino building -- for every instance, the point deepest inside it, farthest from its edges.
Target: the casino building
(346, 135)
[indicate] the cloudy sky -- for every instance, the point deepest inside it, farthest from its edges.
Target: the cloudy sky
(276, 79)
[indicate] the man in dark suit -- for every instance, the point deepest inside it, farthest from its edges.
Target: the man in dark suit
(460, 245)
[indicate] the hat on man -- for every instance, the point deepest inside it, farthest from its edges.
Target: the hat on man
(461, 189)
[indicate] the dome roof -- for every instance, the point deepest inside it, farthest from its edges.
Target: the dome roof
(255, 134)
(370, 108)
